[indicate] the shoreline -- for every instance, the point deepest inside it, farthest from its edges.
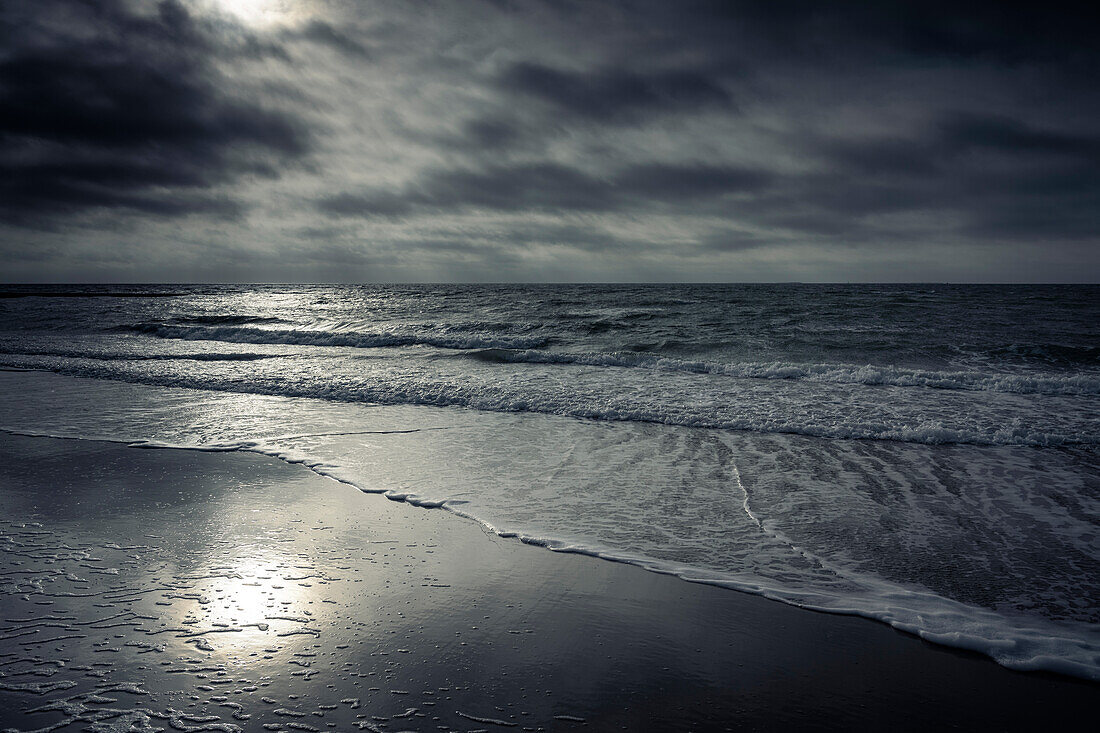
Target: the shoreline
(409, 603)
(904, 623)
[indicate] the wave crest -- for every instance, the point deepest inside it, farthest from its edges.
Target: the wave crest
(355, 339)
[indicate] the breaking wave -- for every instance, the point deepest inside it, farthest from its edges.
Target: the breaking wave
(131, 356)
(768, 416)
(355, 339)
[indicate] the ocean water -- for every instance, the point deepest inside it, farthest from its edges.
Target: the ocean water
(925, 455)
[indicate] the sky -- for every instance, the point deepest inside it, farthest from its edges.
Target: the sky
(547, 141)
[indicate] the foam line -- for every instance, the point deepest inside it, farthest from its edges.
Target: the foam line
(357, 339)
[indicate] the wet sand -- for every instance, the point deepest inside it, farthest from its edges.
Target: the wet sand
(167, 589)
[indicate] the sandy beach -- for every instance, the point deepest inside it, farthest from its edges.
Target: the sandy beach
(150, 589)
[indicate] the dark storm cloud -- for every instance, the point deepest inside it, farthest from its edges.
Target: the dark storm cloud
(374, 203)
(533, 186)
(551, 187)
(1004, 177)
(489, 134)
(1013, 137)
(538, 186)
(580, 236)
(615, 95)
(318, 31)
(116, 106)
(961, 172)
(944, 147)
(538, 103)
(677, 183)
(556, 135)
(1039, 182)
(1052, 185)
(905, 32)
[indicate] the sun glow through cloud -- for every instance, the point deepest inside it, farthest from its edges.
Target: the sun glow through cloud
(258, 12)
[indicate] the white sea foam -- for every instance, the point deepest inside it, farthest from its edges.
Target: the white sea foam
(325, 337)
(766, 406)
(96, 355)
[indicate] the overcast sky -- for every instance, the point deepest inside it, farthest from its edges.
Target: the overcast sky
(367, 140)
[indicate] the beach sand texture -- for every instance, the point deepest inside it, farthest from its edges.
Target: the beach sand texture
(182, 590)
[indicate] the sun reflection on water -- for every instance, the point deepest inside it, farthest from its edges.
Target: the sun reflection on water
(257, 600)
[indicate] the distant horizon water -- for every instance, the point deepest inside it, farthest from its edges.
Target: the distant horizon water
(538, 283)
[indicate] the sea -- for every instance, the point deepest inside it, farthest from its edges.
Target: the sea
(924, 455)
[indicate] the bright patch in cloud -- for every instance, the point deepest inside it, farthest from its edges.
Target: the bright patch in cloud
(260, 13)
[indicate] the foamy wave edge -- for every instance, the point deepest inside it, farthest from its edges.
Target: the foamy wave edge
(135, 356)
(1032, 646)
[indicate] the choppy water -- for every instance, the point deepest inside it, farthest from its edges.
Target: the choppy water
(924, 455)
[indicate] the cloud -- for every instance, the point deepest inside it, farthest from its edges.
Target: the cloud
(375, 203)
(319, 32)
(687, 182)
(1011, 136)
(118, 108)
(489, 133)
(530, 139)
(547, 186)
(615, 95)
(929, 31)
